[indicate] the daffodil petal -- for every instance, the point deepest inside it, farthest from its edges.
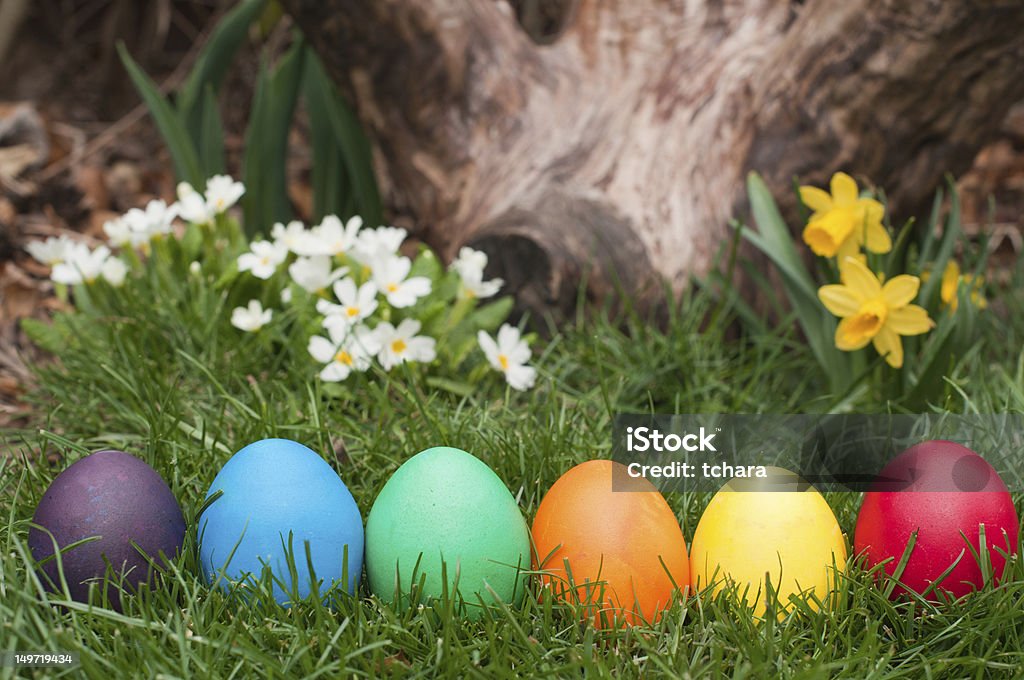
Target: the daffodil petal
(873, 210)
(826, 234)
(816, 199)
(876, 238)
(848, 341)
(887, 343)
(849, 248)
(844, 190)
(857, 276)
(900, 290)
(950, 283)
(839, 300)
(909, 320)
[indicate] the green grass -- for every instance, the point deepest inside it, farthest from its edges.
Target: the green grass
(173, 383)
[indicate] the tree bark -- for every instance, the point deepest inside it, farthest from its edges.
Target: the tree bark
(618, 152)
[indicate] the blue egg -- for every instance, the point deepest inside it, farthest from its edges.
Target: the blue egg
(277, 492)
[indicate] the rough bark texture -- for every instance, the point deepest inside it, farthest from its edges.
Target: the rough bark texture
(621, 147)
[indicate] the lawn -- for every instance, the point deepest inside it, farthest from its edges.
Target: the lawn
(173, 383)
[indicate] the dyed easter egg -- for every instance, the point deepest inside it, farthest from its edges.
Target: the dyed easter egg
(749, 536)
(444, 518)
(619, 553)
(946, 489)
(117, 501)
(278, 500)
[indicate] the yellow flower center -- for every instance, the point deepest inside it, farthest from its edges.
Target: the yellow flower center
(343, 357)
(398, 346)
(352, 311)
(503, 360)
(825, 234)
(867, 321)
(392, 287)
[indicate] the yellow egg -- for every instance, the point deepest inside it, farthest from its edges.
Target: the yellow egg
(791, 538)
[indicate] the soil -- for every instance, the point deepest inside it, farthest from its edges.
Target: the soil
(77, 146)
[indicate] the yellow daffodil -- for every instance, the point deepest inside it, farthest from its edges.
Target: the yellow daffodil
(842, 221)
(872, 312)
(951, 280)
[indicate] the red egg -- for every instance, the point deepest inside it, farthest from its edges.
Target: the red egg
(947, 489)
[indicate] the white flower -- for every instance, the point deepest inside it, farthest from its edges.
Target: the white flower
(389, 275)
(356, 304)
(286, 295)
(50, 252)
(331, 237)
(114, 271)
(195, 268)
(192, 206)
(469, 265)
(222, 192)
(80, 264)
(509, 355)
(313, 273)
(398, 345)
(251, 318)
(129, 230)
(343, 351)
(291, 237)
(119, 232)
(155, 220)
(378, 244)
(263, 260)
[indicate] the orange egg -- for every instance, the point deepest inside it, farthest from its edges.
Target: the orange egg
(620, 553)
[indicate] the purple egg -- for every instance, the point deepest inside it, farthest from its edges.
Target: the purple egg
(118, 498)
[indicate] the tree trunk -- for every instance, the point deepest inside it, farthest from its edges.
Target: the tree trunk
(619, 150)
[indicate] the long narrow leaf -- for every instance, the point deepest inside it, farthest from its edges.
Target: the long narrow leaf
(266, 142)
(214, 60)
(928, 242)
(355, 151)
(776, 242)
(211, 137)
(172, 129)
(329, 181)
(950, 235)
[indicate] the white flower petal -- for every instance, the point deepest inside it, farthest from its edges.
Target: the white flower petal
(521, 377)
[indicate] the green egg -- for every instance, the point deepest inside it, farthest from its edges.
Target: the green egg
(447, 507)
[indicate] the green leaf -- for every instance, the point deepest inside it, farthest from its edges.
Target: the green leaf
(211, 137)
(931, 228)
(332, 192)
(212, 64)
(266, 141)
(326, 105)
(45, 335)
(180, 145)
(426, 264)
(950, 235)
(488, 317)
(935, 360)
(776, 241)
(897, 258)
(457, 388)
